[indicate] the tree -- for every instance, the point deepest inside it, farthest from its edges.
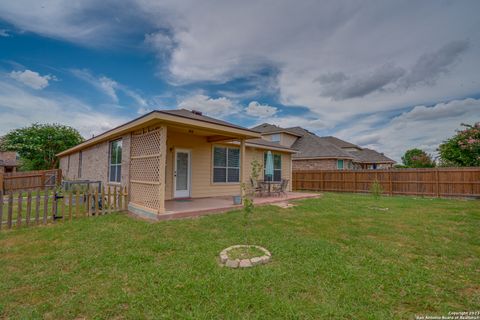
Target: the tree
(463, 149)
(38, 144)
(417, 158)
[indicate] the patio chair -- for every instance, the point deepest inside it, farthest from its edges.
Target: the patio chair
(263, 189)
(255, 187)
(282, 188)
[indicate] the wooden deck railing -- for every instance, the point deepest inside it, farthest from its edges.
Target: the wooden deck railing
(437, 182)
(42, 206)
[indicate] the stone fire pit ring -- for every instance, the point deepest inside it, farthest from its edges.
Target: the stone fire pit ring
(244, 263)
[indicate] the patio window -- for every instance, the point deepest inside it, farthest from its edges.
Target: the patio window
(340, 164)
(277, 166)
(115, 168)
(226, 164)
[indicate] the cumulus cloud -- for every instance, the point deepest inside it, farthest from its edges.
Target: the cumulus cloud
(377, 64)
(256, 109)
(215, 107)
(339, 86)
(425, 71)
(431, 65)
(4, 33)
(25, 107)
(423, 127)
(32, 79)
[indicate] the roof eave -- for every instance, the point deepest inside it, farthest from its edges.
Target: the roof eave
(159, 116)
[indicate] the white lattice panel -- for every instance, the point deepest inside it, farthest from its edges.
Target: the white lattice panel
(146, 168)
(148, 143)
(145, 195)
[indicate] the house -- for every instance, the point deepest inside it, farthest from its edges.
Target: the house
(8, 161)
(173, 154)
(323, 153)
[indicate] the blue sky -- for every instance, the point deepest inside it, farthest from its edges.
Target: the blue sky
(387, 75)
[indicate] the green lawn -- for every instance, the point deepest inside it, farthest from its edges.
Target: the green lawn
(341, 256)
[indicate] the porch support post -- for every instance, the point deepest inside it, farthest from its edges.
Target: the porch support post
(162, 168)
(243, 166)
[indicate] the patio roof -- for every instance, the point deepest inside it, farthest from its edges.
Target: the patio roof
(181, 117)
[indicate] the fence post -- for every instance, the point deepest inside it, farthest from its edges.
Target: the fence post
(354, 181)
(1, 209)
(437, 182)
(42, 180)
(59, 177)
(19, 209)
(390, 181)
(10, 210)
(322, 176)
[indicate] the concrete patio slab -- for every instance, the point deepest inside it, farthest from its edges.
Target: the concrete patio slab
(185, 208)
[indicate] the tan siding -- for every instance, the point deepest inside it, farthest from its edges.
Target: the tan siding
(287, 139)
(201, 178)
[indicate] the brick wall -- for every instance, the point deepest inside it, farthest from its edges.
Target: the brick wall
(95, 163)
(318, 164)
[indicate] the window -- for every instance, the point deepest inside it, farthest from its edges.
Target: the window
(115, 169)
(340, 164)
(226, 164)
(275, 137)
(277, 167)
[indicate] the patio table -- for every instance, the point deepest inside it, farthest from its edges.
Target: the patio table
(269, 184)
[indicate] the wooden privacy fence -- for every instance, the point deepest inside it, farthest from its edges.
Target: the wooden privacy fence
(436, 182)
(26, 209)
(30, 180)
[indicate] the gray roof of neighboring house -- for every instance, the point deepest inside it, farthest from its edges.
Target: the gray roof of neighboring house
(270, 128)
(371, 156)
(8, 163)
(339, 142)
(267, 143)
(310, 146)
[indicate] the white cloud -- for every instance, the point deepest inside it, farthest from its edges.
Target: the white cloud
(423, 127)
(110, 87)
(32, 79)
(215, 107)
(256, 109)
(4, 33)
(383, 70)
(21, 107)
(142, 110)
(102, 84)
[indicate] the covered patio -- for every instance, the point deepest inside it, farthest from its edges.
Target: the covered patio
(184, 208)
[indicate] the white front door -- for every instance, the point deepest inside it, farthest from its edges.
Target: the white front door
(181, 174)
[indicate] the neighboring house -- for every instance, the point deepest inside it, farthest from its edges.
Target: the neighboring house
(173, 154)
(8, 161)
(323, 153)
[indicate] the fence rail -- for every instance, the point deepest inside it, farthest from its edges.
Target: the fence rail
(30, 180)
(42, 206)
(437, 182)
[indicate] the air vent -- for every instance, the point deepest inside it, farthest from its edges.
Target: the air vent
(198, 113)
